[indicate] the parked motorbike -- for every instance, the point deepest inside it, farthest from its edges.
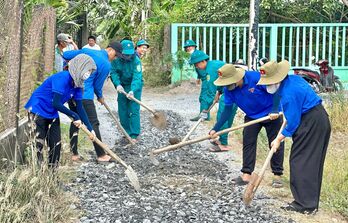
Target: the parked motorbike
(323, 81)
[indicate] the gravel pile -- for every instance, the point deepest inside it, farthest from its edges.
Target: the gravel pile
(189, 185)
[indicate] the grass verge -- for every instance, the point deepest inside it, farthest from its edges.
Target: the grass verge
(29, 193)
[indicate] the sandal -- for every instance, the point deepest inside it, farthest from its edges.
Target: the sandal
(239, 181)
(217, 149)
(78, 159)
(277, 183)
(111, 160)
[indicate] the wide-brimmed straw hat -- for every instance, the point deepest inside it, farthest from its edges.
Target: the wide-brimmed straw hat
(229, 74)
(273, 72)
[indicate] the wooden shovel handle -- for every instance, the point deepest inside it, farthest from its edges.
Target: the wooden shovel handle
(140, 103)
(268, 159)
(198, 122)
(192, 141)
(104, 146)
(118, 124)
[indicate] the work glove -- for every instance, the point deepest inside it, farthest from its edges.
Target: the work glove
(120, 88)
(213, 135)
(130, 94)
(204, 115)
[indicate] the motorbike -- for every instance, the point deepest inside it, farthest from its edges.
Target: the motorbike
(323, 81)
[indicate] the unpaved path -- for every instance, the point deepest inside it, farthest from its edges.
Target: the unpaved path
(189, 185)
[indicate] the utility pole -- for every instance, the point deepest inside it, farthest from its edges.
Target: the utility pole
(253, 33)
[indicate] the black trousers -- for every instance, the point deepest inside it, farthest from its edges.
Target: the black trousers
(93, 118)
(307, 157)
(250, 134)
(47, 130)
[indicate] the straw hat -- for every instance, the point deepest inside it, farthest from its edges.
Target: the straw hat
(229, 74)
(273, 72)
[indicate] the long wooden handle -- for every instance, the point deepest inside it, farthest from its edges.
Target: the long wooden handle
(268, 159)
(198, 122)
(140, 103)
(118, 124)
(192, 141)
(104, 146)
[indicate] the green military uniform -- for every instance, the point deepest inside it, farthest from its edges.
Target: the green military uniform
(128, 74)
(208, 89)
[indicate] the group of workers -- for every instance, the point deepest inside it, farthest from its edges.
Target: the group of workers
(81, 74)
(266, 93)
(257, 93)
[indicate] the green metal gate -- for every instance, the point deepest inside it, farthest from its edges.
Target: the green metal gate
(297, 43)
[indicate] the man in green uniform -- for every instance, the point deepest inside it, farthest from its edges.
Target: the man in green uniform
(126, 75)
(208, 73)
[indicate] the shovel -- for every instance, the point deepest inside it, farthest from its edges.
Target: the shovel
(118, 124)
(159, 119)
(200, 139)
(256, 179)
(132, 176)
(176, 140)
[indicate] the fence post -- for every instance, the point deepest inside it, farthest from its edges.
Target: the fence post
(19, 78)
(174, 40)
(273, 42)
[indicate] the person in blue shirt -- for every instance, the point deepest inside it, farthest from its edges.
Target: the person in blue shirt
(308, 125)
(208, 73)
(126, 75)
(93, 85)
(240, 88)
(48, 99)
(141, 48)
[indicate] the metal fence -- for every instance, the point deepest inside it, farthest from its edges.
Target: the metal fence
(34, 54)
(297, 43)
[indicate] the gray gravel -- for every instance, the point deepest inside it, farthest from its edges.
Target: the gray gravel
(189, 185)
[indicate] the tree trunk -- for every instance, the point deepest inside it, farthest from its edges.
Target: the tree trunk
(253, 33)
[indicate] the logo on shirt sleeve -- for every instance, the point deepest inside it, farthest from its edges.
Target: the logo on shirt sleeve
(139, 68)
(208, 77)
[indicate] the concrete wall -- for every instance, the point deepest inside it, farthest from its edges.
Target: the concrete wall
(9, 142)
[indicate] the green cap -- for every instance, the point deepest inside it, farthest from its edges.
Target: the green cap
(128, 47)
(198, 56)
(142, 42)
(190, 42)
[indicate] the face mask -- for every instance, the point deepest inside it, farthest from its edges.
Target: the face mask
(231, 87)
(272, 88)
(191, 51)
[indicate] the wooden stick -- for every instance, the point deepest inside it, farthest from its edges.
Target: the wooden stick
(192, 141)
(198, 122)
(140, 103)
(118, 124)
(104, 146)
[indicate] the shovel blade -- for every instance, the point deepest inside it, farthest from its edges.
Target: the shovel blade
(133, 178)
(250, 189)
(159, 120)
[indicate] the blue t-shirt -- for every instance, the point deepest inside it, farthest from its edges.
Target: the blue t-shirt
(95, 83)
(251, 98)
(296, 98)
(40, 102)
